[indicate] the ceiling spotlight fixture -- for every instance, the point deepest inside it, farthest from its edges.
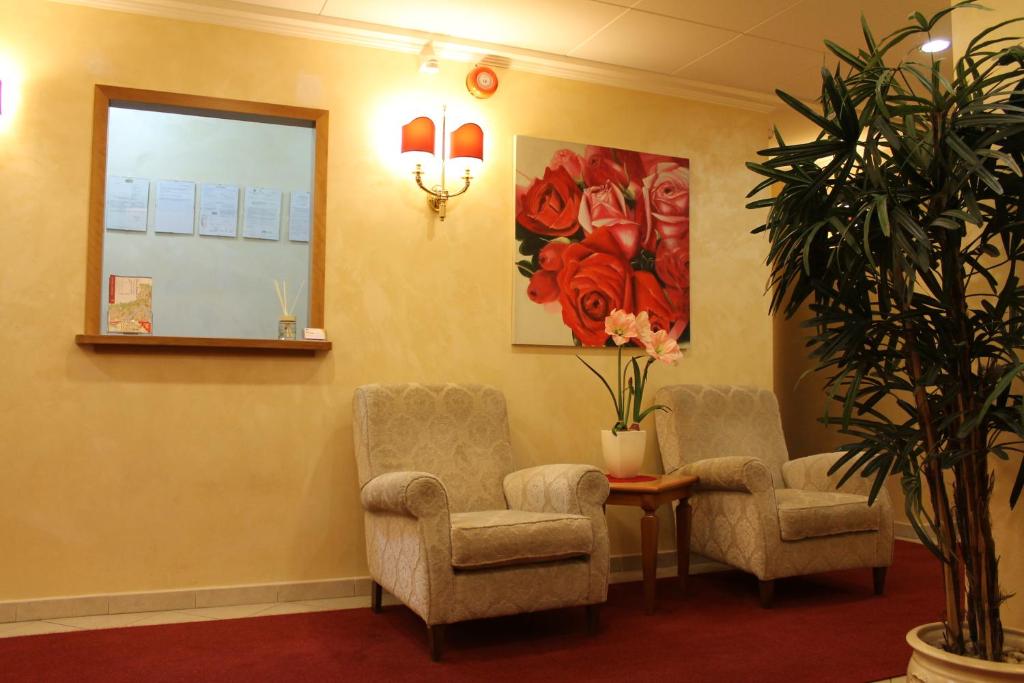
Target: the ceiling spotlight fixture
(935, 45)
(428, 60)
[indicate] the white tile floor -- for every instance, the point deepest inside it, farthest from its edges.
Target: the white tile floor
(32, 628)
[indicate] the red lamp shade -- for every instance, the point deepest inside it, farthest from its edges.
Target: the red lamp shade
(468, 142)
(418, 135)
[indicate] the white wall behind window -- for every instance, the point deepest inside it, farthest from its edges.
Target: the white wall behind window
(210, 286)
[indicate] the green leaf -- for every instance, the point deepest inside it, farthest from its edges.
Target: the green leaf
(607, 386)
(809, 113)
(882, 208)
(1018, 486)
(845, 55)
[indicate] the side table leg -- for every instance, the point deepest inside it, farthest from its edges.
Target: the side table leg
(683, 513)
(649, 556)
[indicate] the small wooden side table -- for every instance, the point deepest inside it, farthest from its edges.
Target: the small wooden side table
(650, 495)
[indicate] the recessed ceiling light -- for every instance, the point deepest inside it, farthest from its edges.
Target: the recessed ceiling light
(936, 45)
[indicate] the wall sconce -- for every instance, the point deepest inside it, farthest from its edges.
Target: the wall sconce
(467, 142)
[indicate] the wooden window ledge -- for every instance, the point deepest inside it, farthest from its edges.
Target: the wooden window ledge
(104, 342)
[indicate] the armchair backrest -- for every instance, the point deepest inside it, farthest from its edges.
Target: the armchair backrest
(458, 432)
(714, 421)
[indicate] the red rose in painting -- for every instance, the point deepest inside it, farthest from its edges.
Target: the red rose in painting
(621, 239)
(665, 312)
(666, 203)
(649, 161)
(679, 300)
(617, 166)
(591, 284)
(543, 287)
(570, 161)
(550, 257)
(551, 205)
(672, 263)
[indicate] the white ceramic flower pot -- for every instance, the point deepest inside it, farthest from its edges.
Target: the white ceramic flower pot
(931, 664)
(623, 452)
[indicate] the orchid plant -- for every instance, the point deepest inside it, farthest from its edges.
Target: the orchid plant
(628, 394)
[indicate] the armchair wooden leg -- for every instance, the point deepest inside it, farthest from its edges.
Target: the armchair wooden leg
(593, 619)
(878, 574)
(767, 591)
(435, 637)
(376, 596)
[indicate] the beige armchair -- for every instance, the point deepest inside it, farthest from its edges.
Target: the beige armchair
(757, 510)
(451, 530)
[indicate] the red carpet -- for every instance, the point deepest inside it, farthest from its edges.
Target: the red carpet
(827, 627)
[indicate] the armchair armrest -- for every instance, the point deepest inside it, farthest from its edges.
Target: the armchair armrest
(731, 473)
(811, 474)
(415, 494)
(556, 488)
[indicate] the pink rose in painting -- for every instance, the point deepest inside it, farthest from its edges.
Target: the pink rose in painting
(672, 263)
(570, 161)
(550, 257)
(551, 205)
(591, 285)
(602, 205)
(543, 287)
(666, 203)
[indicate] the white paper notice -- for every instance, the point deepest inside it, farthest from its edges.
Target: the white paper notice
(127, 203)
(218, 210)
(262, 213)
(175, 206)
(298, 217)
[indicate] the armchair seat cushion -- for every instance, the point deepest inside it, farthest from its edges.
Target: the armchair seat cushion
(494, 538)
(812, 514)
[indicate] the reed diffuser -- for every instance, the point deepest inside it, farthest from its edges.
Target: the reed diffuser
(286, 323)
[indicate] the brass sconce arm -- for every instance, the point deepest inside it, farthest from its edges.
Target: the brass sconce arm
(439, 195)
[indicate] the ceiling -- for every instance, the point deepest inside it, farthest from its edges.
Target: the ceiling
(754, 46)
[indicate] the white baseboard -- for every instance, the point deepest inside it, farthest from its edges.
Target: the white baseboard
(624, 568)
(905, 532)
(151, 601)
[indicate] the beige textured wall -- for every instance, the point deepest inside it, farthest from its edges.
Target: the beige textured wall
(801, 406)
(800, 396)
(124, 472)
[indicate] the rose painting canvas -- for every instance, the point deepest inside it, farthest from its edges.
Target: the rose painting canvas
(598, 229)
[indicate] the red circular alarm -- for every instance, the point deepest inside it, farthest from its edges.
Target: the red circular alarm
(482, 82)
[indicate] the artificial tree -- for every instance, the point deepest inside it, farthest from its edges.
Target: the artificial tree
(899, 232)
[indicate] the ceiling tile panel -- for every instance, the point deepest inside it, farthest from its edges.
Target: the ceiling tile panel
(810, 22)
(310, 6)
(736, 15)
(761, 65)
(651, 42)
(554, 26)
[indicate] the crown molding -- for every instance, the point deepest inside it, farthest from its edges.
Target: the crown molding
(315, 27)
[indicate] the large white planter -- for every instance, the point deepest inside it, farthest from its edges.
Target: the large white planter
(932, 664)
(623, 452)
